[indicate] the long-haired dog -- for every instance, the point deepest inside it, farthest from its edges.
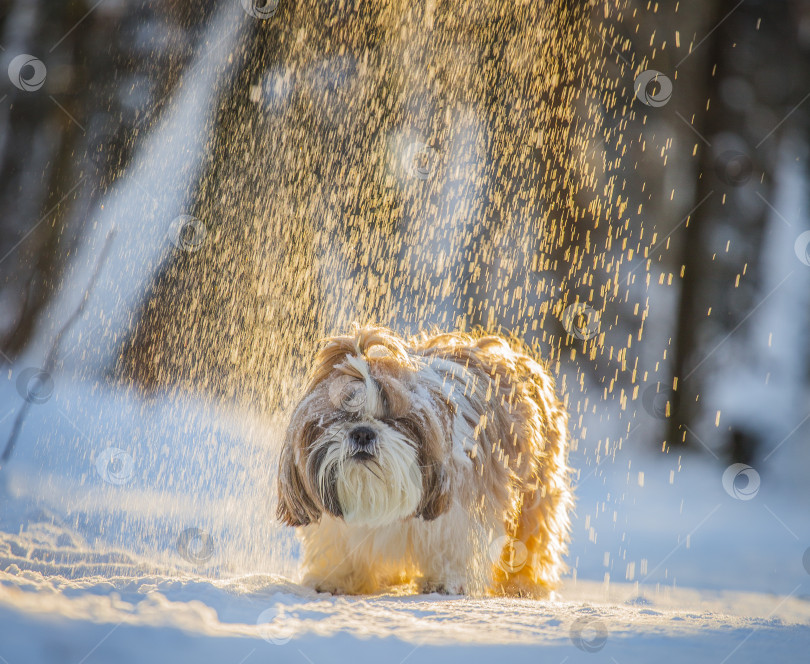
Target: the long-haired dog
(439, 461)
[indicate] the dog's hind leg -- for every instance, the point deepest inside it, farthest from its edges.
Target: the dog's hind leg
(541, 524)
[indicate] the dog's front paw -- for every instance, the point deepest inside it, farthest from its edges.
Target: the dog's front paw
(348, 585)
(441, 587)
(331, 589)
(324, 585)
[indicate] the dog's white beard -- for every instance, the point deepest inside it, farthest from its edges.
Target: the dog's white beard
(374, 494)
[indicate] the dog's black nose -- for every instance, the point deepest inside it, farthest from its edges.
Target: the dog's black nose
(363, 437)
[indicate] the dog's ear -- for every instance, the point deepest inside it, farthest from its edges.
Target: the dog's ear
(295, 507)
(435, 493)
(431, 429)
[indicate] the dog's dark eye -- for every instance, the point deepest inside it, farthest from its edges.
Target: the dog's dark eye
(406, 426)
(310, 432)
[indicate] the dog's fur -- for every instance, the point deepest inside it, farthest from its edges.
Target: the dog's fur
(465, 488)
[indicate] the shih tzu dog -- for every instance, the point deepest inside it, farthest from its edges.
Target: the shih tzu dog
(438, 462)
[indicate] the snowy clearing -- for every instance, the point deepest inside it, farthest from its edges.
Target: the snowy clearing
(91, 571)
(166, 619)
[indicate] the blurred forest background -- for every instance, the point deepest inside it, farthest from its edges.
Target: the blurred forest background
(531, 173)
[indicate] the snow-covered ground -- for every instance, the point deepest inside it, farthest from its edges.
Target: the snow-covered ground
(137, 530)
(151, 618)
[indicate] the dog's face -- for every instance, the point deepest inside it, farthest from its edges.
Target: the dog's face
(370, 439)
